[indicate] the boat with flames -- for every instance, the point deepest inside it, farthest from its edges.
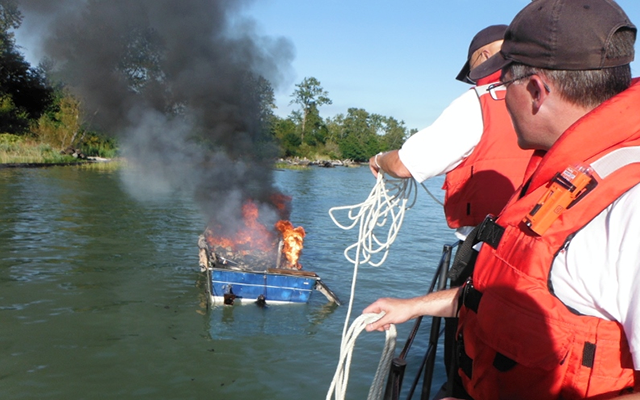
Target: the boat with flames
(257, 265)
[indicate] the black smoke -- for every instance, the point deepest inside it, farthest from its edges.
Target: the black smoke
(182, 84)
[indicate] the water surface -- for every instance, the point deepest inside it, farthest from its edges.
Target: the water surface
(101, 295)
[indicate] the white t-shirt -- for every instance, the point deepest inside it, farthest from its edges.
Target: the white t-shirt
(598, 274)
(443, 145)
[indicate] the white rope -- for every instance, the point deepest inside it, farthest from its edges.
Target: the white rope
(341, 376)
(383, 205)
(384, 208)
(431, 194)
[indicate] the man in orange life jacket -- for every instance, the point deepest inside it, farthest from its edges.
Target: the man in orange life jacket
(552, 310)
(472, 142)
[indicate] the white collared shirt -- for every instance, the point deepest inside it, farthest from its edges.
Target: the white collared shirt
(598, 274)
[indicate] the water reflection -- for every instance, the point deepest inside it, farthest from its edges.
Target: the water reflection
(249, 320)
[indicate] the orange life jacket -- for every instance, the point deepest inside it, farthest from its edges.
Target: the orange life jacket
(483, 183)
(519, 340)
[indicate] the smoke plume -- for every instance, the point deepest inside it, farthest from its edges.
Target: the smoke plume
(182, 84)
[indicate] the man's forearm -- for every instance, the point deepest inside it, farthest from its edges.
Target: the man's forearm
(443, 303)
(440, 304)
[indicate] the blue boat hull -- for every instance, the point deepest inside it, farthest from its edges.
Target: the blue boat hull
(276, 287)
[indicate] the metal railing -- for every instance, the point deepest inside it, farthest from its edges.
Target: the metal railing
(427, 366)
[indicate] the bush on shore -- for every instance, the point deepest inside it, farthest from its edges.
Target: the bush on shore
(16, 149)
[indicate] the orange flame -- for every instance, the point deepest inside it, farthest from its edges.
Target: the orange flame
(293, 239)
(253, 235)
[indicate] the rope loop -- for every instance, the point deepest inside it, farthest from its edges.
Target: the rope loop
(384, 208)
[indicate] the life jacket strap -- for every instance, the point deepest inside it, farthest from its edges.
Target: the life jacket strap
(463, 264)
(471, 297)
(490, 232)
(465, 363)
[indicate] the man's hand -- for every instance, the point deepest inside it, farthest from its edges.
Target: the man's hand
(396, 311)
(374, 165)
(389, 162)
(442, 303)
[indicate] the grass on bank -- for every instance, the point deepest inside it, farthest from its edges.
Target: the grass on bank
(286, 165)
(16, 149)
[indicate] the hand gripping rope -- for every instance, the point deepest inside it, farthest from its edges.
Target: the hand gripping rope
(383, 209)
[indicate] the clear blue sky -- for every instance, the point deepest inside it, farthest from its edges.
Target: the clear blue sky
(394, 58)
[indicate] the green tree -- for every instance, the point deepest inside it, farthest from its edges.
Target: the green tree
(259, 98)
(24, 93)
(310, 96)
(10, 18)
(394, 134)
(285, 132)
(358, 138)
(315, 131)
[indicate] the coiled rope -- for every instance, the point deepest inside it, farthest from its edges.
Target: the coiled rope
(384, 208)
(341, 376)
(383, 211)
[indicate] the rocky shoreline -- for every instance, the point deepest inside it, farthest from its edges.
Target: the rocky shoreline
(304, 162)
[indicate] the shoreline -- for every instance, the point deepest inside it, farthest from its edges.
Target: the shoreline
(278, 164)
(304, 162)
(88, 160)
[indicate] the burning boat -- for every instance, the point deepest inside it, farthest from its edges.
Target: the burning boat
(255, 264)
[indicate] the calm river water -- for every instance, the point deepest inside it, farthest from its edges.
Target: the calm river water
(101, 296)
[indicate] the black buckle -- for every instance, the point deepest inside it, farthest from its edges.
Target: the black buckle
(464, 262)
(471, 297)
(490, 232)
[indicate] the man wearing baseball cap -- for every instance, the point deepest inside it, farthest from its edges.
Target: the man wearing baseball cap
(472, 142)
(552, 310)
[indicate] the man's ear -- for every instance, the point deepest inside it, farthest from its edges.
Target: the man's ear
(486, 54)
(538, 90)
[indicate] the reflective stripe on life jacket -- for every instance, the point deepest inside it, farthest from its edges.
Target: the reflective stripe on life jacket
(483, 183)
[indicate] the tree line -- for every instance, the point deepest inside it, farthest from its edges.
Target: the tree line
(356, 135)
(33, 103)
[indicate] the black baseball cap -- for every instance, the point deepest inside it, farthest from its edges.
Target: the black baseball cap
(561, 34)
(488, 35)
